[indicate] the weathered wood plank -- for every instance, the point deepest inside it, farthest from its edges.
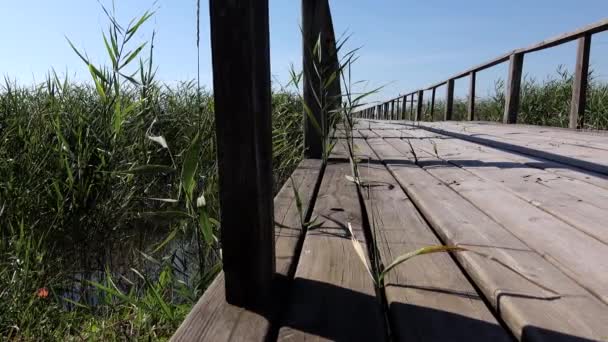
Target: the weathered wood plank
(333, 296)
(558, 197)
(577, 314)
(241, 70)
(559, 241)
(579, 157)
(427, 292)
(214, 319)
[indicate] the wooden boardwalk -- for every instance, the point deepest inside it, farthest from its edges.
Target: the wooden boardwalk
(533, 198)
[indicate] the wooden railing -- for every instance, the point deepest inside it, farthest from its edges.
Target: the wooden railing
(241, 84)
(392, 110)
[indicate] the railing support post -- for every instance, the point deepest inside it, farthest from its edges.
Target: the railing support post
(317, 26)
(412, 107)
(433, 103)
(419, 105)
(472, 76)
(449, 100)
(516, 64)
(403, 105)
(241, 70)
(580, 82)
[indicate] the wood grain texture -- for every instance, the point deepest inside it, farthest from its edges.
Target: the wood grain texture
(449, 100)
(513, 88)
(241, 70)
(214, 319)
(429, 298)
(580, 82)
(575, 315)
(419, 105)
(576, 155)
(333, 296)
(553, 238)
(560, 197)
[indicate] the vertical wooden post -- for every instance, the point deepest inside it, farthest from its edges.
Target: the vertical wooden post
(433, 103)
(449, 100)
(419, 105)
(393, 110)
(317, 23)
(377, 112)
(386, 112)
(580, 82)
(241, 88)
(403, 104)
(516, 63)
(472, 76)
(412, 107)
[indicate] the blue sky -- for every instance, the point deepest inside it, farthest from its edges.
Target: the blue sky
(405, 44)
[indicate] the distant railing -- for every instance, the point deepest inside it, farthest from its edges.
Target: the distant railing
(392, 110)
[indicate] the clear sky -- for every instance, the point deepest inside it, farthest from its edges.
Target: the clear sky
(405, 44)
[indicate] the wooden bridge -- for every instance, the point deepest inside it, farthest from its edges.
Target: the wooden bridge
(528, 203)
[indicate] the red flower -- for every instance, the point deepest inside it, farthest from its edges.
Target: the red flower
(42, 292)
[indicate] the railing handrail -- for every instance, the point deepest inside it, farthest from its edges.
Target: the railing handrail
(583, 35)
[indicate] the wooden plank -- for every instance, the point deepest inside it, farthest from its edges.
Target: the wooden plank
(519, 303)
(558, 241)
(537, 187)
(516, 65)
(579, 83)
(213, 318)
(580, 158)
(519, 132)
(426, 292)
(449, 100)
(241, 70)
(531, 158)
(333, 296)
(588, 187)
(471, 107)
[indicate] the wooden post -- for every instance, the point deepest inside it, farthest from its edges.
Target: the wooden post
(241, 87)
(472, 76)
(516, 63)
(449, 100)
(412, 107)
(378, 117)
(403, 105)
(386, 112)
(393, 110)
(580, 82)
(433, 103)
(317, 23)
(419, 105)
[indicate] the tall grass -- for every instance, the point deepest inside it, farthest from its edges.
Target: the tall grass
(542, 102)
(108, 196)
